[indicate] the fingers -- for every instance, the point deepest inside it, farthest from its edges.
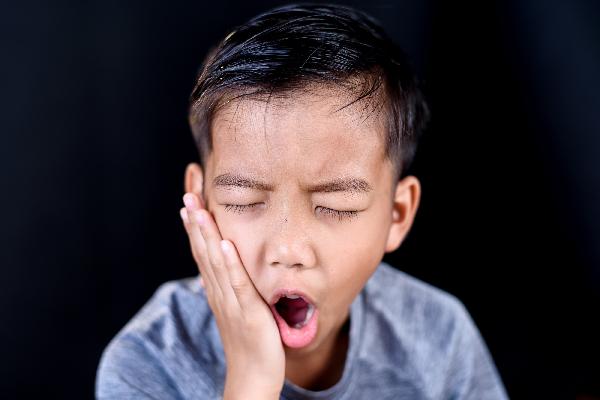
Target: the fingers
(222, 268)
(203, 228)
(199, 249)
(199, 257)
(240, 281)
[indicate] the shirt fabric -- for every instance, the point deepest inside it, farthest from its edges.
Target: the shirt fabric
(407, 340)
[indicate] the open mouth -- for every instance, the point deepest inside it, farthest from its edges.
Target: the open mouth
(294, 310)
(296, 318)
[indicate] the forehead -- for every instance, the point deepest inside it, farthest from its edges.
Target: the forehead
(305, 134)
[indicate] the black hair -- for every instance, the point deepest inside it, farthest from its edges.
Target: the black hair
(287, 49)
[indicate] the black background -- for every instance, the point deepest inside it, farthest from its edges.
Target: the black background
(95, 142)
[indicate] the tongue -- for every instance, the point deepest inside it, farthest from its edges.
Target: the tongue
(292, 310)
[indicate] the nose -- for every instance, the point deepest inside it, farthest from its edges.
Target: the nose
(289, 245)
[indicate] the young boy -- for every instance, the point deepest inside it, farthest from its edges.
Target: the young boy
(306, 119)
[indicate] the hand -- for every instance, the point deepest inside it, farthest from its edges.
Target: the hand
(251, 340)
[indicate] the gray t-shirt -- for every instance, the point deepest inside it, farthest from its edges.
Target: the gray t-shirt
(408, 340)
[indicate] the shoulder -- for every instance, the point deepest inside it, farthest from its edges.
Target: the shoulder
(414, 314)
(163, 346)
(181, 299)
(398, 296)
(431, 334)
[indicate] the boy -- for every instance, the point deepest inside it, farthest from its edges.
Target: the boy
(306, 119)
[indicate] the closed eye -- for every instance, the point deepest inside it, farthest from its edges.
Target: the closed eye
(340, 215)
(238, 208)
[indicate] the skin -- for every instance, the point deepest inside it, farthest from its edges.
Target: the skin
(288, 238)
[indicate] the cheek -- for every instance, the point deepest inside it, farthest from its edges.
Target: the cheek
(357, 256)
(239, 234)
(345, 284)
(351, 274)
(362, 241)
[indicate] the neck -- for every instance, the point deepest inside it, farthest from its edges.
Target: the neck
(322, 367)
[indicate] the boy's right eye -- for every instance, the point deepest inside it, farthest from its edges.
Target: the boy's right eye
(239, 208)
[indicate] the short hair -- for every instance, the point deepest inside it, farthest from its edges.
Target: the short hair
(291, 48)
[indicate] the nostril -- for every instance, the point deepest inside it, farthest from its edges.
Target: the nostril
(296, 265)
(293, 251)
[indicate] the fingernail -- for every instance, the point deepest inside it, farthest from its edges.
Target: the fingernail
(184, 215)
(188, 200)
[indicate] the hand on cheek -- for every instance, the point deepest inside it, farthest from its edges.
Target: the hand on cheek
(251, 340)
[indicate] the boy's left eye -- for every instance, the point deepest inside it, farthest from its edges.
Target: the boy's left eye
(340, 215)
(238, 208)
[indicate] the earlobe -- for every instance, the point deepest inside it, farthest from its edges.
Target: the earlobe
(194, 181)
(404, 207)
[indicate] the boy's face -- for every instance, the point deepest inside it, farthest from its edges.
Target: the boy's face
(289, 238)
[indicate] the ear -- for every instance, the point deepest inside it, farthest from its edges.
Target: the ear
(193, 181)
(404, 207)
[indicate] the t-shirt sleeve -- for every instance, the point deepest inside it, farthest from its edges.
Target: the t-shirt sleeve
(129, 370)
(472, 374)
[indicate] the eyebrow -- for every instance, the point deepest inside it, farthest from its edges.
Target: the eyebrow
(351, 184)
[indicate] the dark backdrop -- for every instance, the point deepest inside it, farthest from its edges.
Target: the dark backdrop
(95, 141)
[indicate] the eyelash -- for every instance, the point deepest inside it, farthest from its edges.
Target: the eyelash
(237, 208)
(340, 215)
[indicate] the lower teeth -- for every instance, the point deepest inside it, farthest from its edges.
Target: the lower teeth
(309, 314)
